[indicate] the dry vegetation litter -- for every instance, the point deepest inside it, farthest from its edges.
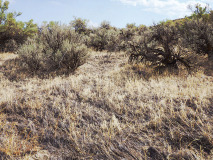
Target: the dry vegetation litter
(107, 109)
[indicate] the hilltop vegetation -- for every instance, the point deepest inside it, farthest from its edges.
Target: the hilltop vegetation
(166, 46)
(74, 92)
(12, 32)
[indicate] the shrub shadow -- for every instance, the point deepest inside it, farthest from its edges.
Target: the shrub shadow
(15, 70)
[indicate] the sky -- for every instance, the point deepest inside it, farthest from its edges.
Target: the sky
(117, 12)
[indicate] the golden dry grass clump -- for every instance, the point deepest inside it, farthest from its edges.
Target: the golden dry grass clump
(6, 56)
(107, 111)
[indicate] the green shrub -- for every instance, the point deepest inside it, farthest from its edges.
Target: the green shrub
(106, 25)
(126, 35)
(32, 54)
(55, 48)
(10, 46)
(13, 31)
(197, 31)
(79, 25)
(97, 39)
(104, 39)
(198, 36)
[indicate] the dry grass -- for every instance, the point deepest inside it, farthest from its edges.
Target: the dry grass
(106, 110)
(6, 56)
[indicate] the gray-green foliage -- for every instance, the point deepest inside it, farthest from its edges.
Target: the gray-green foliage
(159, 45)
(104, 39)
(79, 25)
(97, 39)
(126, 35)
(54, 48)
(13, 32)
(197, 31)
(198, 36)
(32, 53)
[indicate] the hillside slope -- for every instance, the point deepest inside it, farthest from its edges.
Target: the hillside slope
(106, 111)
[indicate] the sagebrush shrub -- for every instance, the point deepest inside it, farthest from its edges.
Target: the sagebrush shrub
(198, 36)
(104, 39)
(10, 46)
(54, 48)
(158, 45)
(126, 35)
(98, 39)
(31, 53)
(72, 55)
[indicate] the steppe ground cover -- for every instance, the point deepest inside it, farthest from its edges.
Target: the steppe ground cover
(106, 109)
